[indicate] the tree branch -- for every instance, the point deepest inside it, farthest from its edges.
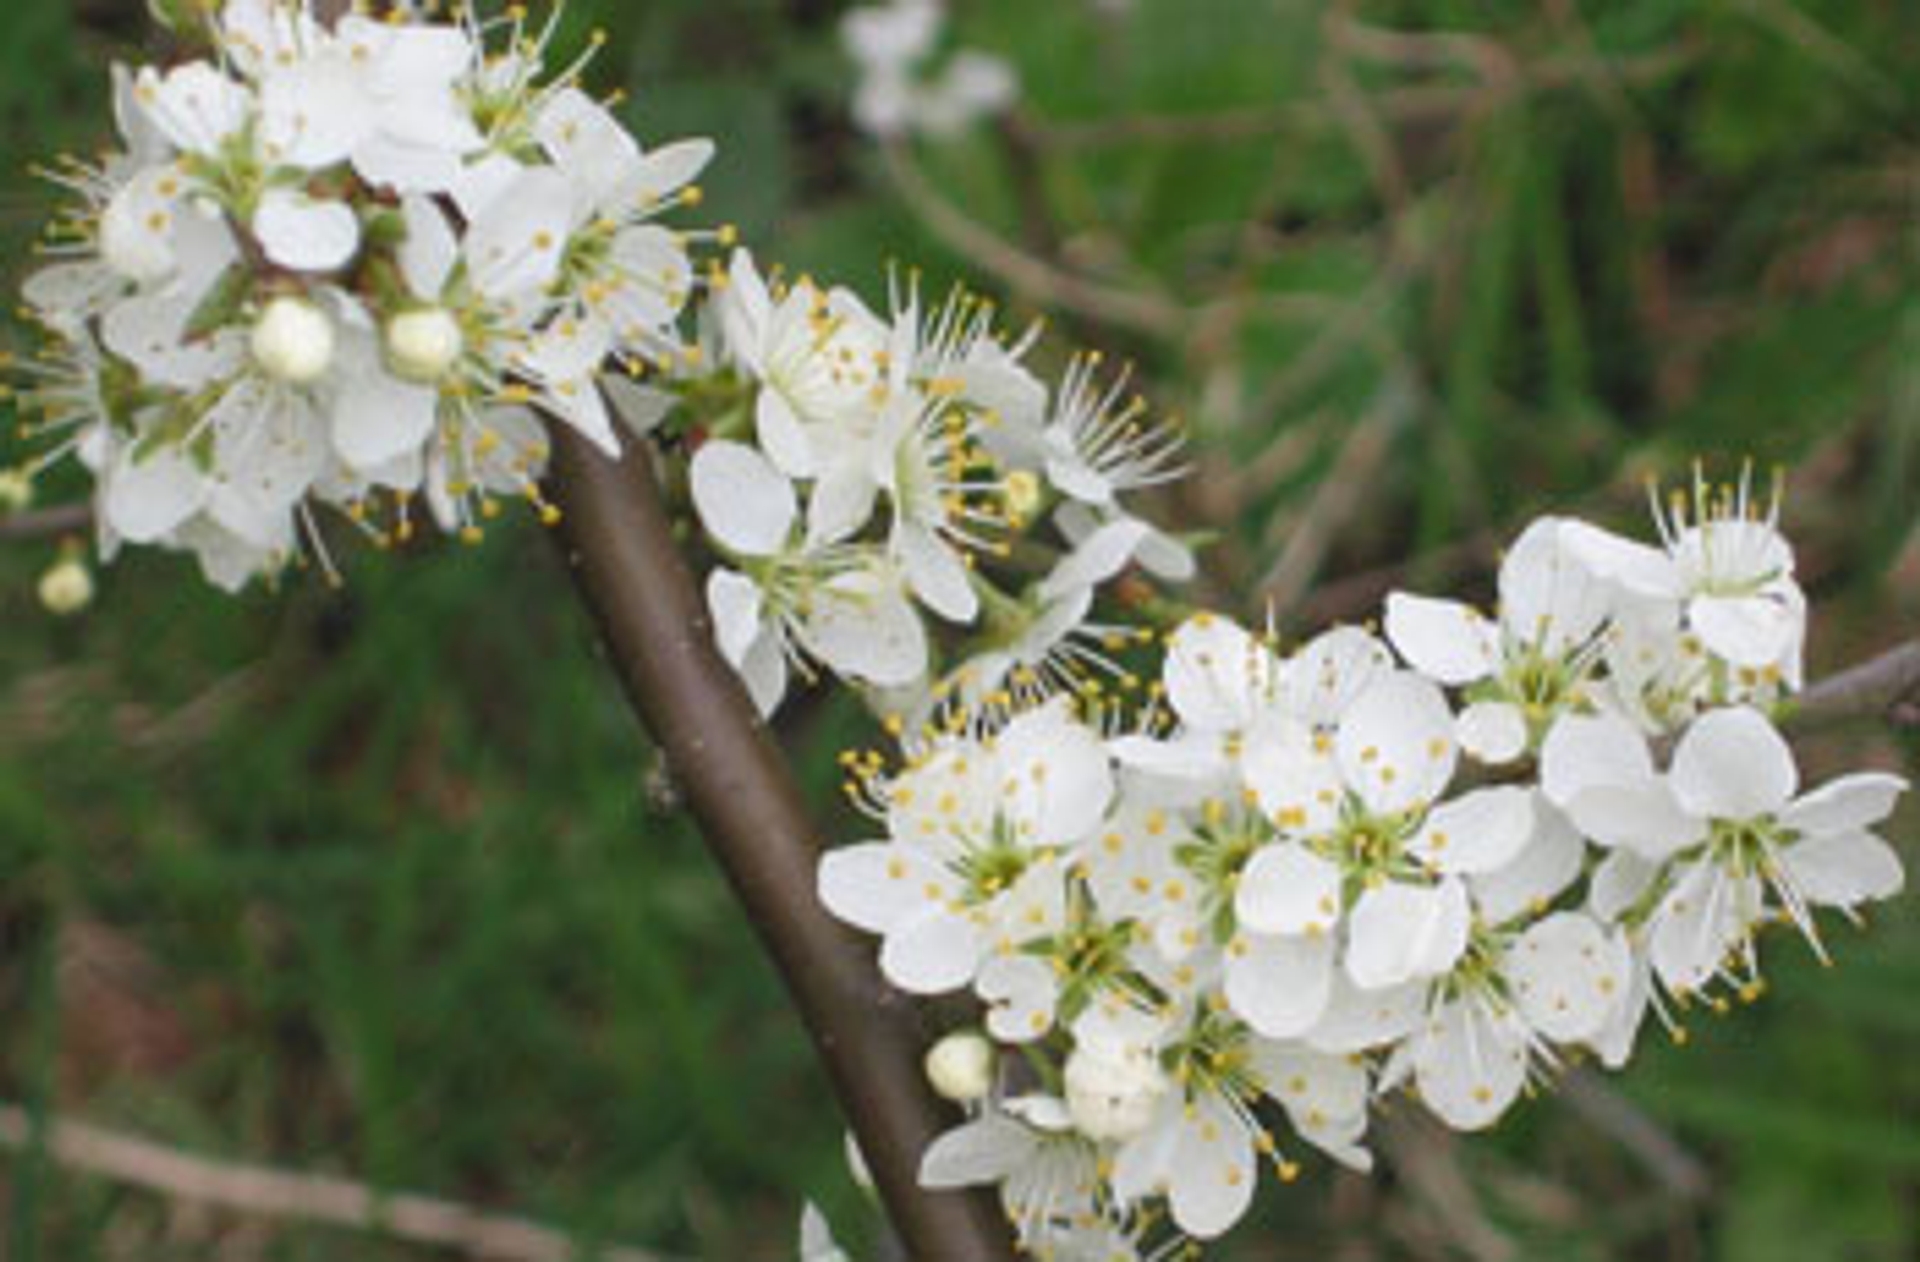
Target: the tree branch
(653, 625)
(1887, 686)
(335, 1202)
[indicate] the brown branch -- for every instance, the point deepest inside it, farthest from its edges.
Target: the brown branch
(653, 624)
(45, 523)
(1887, 686)
(259, 1190)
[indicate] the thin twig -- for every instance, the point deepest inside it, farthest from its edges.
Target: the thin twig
(1887, 686)
(740, 789)
(1680, 1173)
(1039, 280)
(246, 1188)
(45, 523)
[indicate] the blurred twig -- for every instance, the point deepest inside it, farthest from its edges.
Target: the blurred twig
(44, 523)
(1039, 280)
(260, 1190)
(1612, 1114)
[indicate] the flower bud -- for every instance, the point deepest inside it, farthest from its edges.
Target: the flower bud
(16, 490)
(67, 588)
(960, 1067)
(422, 345)
(1113, 1089)
(293, 341)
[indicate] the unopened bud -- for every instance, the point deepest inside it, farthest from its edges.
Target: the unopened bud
(422, 345)
(960, 1067)
(293, 341)
(1113, 1090)
(67, 588)
(16, 490)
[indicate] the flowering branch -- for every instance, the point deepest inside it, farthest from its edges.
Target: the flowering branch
(654, 626)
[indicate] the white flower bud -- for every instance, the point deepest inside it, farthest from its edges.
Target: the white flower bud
(1113, 1090)
(67, 588)
(16, 490)
(293, 341)
(960, 1067)
(422, 345)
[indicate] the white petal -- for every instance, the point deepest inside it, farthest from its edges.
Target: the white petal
(1357, 1020)
(378, 417)
(1642, 817)
(743, 501)
(1401, 932)
(985, 1150)
(1396, 745)
(1586, 750)
(1216, 673)
(1751, 631)
(1055, 780)
(1286, 888)
(514, 247)
(1295, 776)
(1844, 869)
(1021, 991)
(863, 626)
(935, 570)
(874, 885)
(428, 252)
(1549, 862)
(314, 112)
(1470, 1063)
(1448, 642)
(1494, 732)
(1096, 558)
(1566, 974)
(1855, 801)
(149, 495)
(304, 234)
(1703, 917)
(1547, 598)
(733, 601)
(1477, 832)
(930, 952)
(1618, 883)
(1279, 985)
(1329, 672)
(1732, 764)
(1635, 567)
(1213, 1173)
(782, 436)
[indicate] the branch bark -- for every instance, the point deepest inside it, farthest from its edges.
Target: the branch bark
(1886, 686)
(653, 625)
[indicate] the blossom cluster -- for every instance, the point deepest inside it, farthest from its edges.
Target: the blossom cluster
(350, 264)
(1447, 857)
(875, 474)
(904, 87)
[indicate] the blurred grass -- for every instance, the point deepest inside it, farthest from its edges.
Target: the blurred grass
(373, 882)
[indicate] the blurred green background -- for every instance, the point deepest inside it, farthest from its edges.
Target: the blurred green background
(382, 882)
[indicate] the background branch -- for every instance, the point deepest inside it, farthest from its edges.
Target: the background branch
(737, 784)
(335, 1202)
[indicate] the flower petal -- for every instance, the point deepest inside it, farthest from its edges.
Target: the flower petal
(1448, 642)
(743, 501)
(1476, 832)
(1732, 764)
(1279, 985)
